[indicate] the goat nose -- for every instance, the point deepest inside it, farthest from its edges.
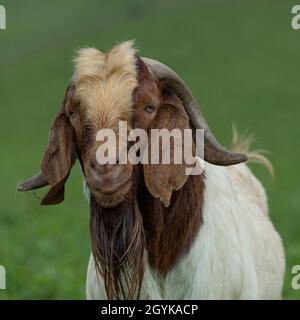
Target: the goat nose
(101, 168)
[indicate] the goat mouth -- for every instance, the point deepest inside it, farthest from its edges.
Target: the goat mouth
(113, 196)
(110, 190)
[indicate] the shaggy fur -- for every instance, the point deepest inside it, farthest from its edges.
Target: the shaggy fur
(118, 248)
(105, 82)
(242, 144)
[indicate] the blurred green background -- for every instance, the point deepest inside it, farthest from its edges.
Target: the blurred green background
(241, 60)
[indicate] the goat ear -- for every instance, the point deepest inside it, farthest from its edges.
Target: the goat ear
(59, 157)
(162, 179)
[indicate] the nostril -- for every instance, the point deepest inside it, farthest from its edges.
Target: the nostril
(107, 168)
(102, 169)
(92, 165)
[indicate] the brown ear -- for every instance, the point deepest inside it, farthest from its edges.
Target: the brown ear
(162, 179)
(59, 156)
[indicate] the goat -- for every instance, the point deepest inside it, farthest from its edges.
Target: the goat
(157, 233)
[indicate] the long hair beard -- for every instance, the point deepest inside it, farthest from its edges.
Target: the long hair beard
(118, 244)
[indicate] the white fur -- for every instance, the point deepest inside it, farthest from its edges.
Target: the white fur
(237, 253)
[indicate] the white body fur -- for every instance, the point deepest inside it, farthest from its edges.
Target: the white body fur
(237, 253)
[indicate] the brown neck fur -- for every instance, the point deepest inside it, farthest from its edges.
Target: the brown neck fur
(170, 231)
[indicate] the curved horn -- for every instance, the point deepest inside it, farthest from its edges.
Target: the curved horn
(213, 151)
(35, 182)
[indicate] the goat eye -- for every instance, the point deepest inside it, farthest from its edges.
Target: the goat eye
(149, 109)
(71, 114)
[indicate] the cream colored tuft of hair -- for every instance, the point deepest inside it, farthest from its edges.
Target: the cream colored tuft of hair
(105, 82)
(242, 144)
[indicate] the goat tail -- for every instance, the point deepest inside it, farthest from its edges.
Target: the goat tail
(242, 144)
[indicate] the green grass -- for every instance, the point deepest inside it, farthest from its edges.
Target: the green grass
(241, 60)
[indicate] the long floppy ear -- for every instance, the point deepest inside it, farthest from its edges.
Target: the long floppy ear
(58, 158)
(162, 179)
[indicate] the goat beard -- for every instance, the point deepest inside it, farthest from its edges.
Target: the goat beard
(118, 245)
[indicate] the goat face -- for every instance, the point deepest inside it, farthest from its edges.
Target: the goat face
(108, 88)
(99, 99)
(127, 93)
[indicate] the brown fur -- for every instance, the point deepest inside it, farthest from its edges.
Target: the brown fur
(59, 156)
(170, 231)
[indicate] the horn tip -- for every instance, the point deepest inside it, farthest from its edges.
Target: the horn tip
(238, 158)
(230, 160)
(242, 157)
